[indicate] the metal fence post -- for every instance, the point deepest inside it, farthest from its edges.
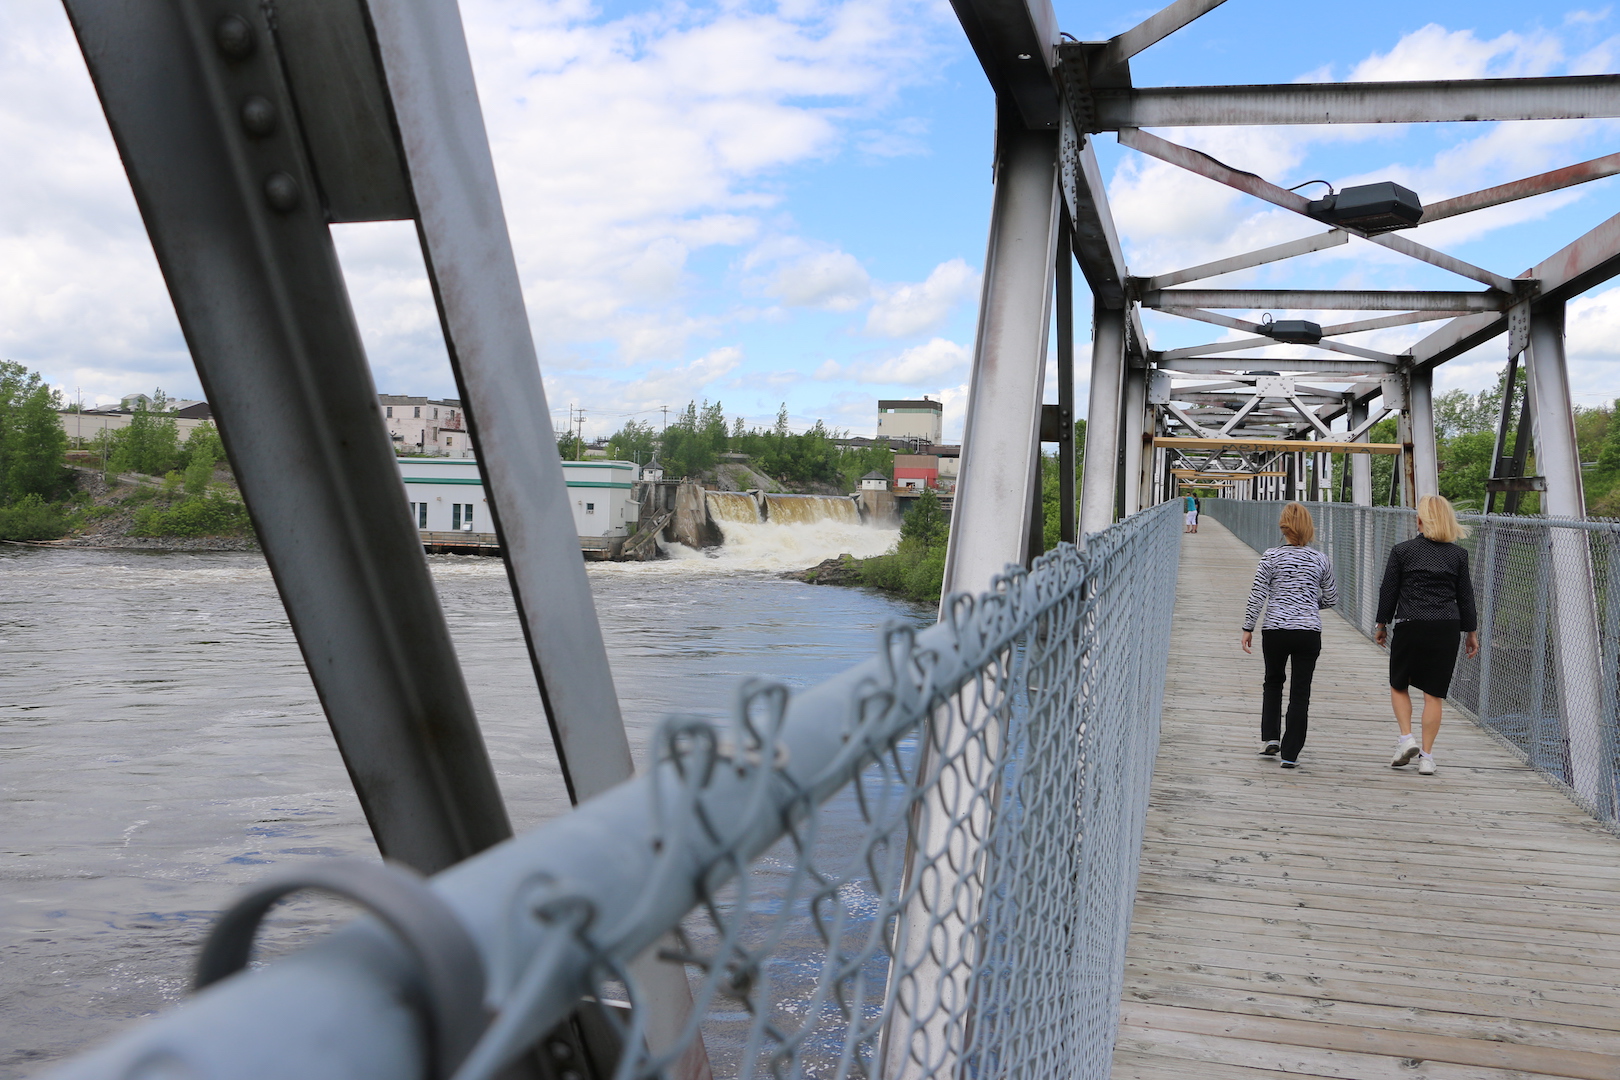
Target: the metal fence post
(1064, 276)
(1135, 419)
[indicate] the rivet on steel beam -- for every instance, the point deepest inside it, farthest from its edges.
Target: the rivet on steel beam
(281, 192)
(234, 37)
(561, 1051)
(258, 115)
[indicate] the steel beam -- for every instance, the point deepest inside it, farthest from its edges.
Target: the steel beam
(233, 210)
(1201, 163)
(1384, 322)
(1263, 446)
(1360, 464)
(1135, 420)
(1156, 27)
(1425, 454)
(1016, 41)
(1575, 642)
(1568, 97)
(1094, 238)
(1100, 470)
(1000, 441)
(1540, 184)
(1276, 253)
(486, 327)
(1216, 347)
(1064, 279)
(1580, 265)
(1547, 379)
(1319, 369)
(1327, 299)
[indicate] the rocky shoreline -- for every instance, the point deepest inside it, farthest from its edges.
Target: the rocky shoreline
(842, 570)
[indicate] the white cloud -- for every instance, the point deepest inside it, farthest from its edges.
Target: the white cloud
(921, 367)
(830, 280)
(1433, 52)
(907, 310)
(624, 148)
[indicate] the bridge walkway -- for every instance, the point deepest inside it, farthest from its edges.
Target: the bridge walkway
(1348, 919)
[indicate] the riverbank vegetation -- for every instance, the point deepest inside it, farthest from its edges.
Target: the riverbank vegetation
(137, 481)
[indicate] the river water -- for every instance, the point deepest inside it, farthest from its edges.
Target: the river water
(161, 745)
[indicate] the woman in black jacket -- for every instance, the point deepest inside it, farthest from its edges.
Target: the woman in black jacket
(1427, 589)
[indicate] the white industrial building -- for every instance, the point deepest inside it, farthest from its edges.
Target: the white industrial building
(447, 495)
(919, 423)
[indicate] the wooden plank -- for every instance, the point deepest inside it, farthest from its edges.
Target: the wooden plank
(1540, 1060)
(1347, 919)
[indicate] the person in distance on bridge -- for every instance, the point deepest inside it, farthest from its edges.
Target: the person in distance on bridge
(1293, 583)
(1427, 594)
(1193, 507)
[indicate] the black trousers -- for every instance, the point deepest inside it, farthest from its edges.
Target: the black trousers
(1279, 647)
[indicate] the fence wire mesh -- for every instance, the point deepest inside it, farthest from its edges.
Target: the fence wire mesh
(952, 897)
(1548, 595)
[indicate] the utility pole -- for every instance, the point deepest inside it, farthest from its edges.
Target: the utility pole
(579, 436)
(666, 417)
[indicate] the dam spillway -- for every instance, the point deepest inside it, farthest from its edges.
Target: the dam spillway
(744, 508)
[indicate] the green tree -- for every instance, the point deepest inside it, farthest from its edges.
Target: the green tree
(636, 441)
(925, 523)
(151, 442)
(711, 425)
(203, 444)
(35, 445)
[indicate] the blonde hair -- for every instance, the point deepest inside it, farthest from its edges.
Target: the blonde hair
(1296, 524)
(1439, 520)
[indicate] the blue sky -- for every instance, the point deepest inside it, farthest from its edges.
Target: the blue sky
(761, 202)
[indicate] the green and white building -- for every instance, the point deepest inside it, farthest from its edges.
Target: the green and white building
(447, 495)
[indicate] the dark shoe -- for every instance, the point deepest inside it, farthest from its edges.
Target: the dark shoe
(1270, 748)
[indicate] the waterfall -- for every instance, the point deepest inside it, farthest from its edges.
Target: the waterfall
(732, 507)
(795, 531)
(806, 509)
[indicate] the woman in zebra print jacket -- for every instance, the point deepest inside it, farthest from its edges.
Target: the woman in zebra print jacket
(1293, 583)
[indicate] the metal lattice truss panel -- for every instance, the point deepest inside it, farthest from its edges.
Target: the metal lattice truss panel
(1293, 380)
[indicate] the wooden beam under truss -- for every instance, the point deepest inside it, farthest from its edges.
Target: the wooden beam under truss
(1251, 446)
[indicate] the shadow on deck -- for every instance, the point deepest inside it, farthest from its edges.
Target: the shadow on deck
(1348, 919)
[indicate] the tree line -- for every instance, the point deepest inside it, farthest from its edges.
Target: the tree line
(692, 444)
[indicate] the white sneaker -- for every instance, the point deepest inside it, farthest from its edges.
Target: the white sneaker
(1405, 751)
(1426, 766)
(1270, 748)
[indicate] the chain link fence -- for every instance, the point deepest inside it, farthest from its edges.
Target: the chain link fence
(923, 867)
(1548, 595)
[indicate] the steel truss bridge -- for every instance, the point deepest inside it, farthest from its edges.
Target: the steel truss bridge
(926, 866)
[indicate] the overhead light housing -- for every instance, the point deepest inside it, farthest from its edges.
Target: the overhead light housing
(1370, 208)
(1293, 331)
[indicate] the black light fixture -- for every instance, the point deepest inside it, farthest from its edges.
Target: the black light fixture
(1369, 208)
(1293, 331)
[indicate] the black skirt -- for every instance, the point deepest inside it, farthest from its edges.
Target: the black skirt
(1423, 654)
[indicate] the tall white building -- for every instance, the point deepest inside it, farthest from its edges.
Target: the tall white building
(914, 422)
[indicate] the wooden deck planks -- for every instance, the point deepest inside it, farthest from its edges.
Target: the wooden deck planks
(1347, 919)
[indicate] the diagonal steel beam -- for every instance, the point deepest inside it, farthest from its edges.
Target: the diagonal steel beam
(1155, 28)
(1386, 321)
(1095, 239)
(1540, 184)
(1275, 253)
(1327, 299)
(1211, 168)
(1216, 347)
(1566, 97)
(1582, 264)
(1015, 41)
